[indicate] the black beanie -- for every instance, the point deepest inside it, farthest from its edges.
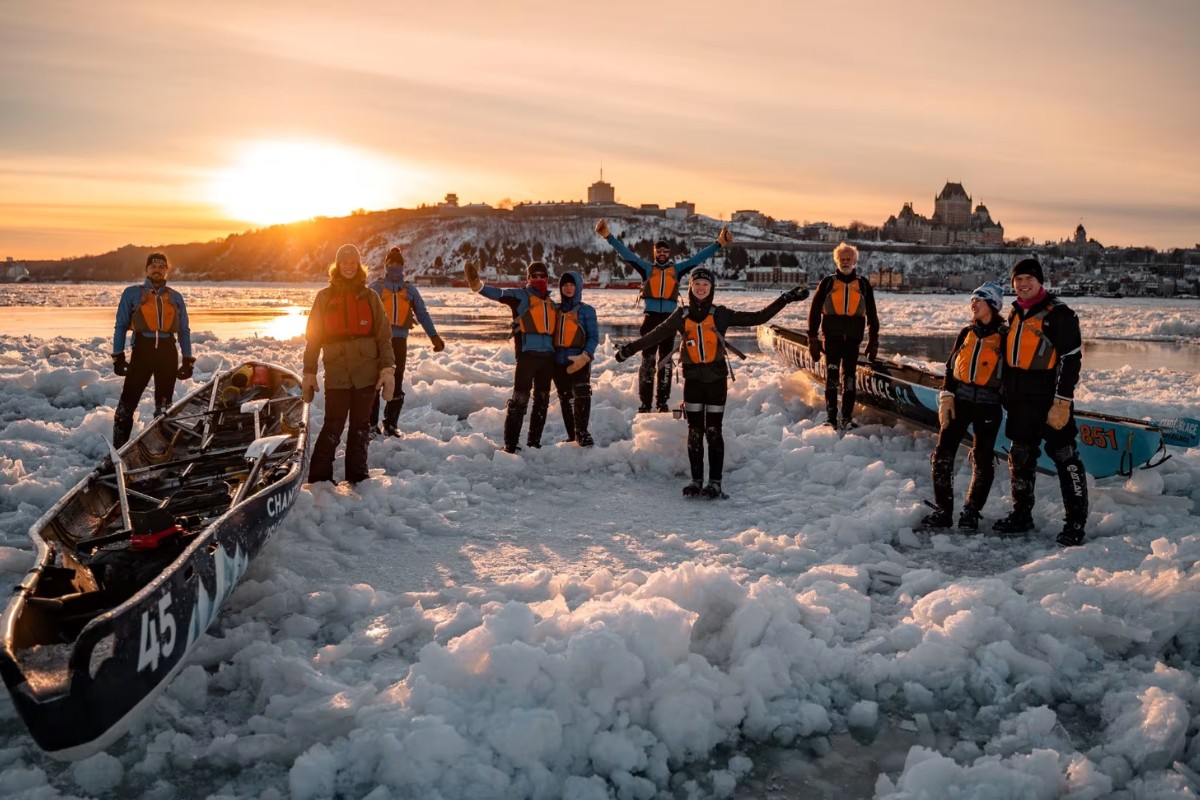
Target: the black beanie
(703, 274)
(1028, 266)
(663, 243)
(394, 256)
(536, 266)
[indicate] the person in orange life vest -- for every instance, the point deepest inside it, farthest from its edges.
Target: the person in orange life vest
(404, 307)
(701, 327)
(575, 340)
(970, 397)
(660, 294)
(158, 318)
(1042, 362)
(348, 328)
(842, 309)
(535, 318)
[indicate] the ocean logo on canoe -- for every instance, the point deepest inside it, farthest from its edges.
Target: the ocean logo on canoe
(229, 570)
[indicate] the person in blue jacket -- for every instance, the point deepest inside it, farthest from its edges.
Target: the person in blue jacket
(575, 339)
(404, 307)
(535, 318)
(158, 318)
(660, 293)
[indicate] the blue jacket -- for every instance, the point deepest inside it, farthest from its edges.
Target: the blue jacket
(128, 305)
(587, 321)
(665, 306)
(518, 301)
(414, 299)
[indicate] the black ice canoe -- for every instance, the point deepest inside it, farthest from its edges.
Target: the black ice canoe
(134, 562)
(1108, 445)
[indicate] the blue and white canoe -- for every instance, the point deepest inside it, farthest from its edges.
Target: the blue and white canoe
(1109, 445)
(133, 563)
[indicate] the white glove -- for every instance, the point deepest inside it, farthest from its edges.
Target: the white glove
(577, 362)
(309, 387)
(387, 382)
(945, 409)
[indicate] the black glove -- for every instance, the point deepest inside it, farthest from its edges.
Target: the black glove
(872, 351)
(438, 344)
(186, 368)
(120, 365)
(623, 353)
(794, 295)
(814, 348)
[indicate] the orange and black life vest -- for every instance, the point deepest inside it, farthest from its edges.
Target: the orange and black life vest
(569, 332)
(1028, 346)
(845, 299)
(348, 315)
(661, 284)
(701, 342)
(978, 361)
(155, 314)
(398, 306)
(541, 317)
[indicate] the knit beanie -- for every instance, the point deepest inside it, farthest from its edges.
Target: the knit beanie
(1028, 266)
(394, 256)
(537, 267)
(990, 293)
(703, 274)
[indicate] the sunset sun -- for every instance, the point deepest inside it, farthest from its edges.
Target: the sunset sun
(276, 182)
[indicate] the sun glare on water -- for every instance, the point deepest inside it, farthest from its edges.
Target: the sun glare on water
(274, 182)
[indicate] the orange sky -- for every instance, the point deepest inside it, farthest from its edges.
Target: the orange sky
(150, 123)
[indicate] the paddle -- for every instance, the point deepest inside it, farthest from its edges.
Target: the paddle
(1180, 431)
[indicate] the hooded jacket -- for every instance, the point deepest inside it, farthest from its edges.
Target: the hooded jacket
(584, 316)
(352, 362)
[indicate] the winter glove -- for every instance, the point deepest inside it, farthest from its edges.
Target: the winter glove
(438, 344)
(872, 351)
(579, 362)
(1060, 412)
(387, 382)
(308, 386)
(186, 368)
(623, 353)
(602, 228)
(794, 295)
(120, 365)
(814, 348)
(945, 409)
(724, 237)
(471, 271)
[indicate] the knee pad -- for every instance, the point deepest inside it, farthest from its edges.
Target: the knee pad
(1023, 455)
(518, 402)
(583, 390)
(713, 433)
(1064, 455)
(834, 372)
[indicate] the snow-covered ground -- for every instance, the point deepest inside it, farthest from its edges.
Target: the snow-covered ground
(562, 623)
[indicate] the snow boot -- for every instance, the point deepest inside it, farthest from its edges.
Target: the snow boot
(712, 490)
(942, 470)
(940, 518)
(968, 520)
(1071, 536)
(514, 417)
(567, 406)
(692, 489)
(537, 418)
(582, 407)
(662, 397)
(646, 381)
(1018, 521)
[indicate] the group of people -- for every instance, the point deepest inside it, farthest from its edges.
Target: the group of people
(1028, 365)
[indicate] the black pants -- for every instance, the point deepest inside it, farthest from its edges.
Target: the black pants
(574, 391)
(340, 405)
(1027, 428)
(535, 373)
(984, 420)
(656, 364)
(704, 405)
(147, 361)
(392, 408)
(841, 371)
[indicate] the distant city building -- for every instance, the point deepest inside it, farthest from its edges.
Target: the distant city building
(953, 222)
(601, 192)
(769, 277)
(750, 216)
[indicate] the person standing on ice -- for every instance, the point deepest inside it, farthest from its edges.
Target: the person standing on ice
(535, 319)
(348, 328)
(158, 317)
(701, 327)
(575, 339)
(1042, 362)
(660, 294)
(404, 307)
(842, 309)
(970, 397)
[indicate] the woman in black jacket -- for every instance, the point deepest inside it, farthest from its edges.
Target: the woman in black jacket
(701, 327)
